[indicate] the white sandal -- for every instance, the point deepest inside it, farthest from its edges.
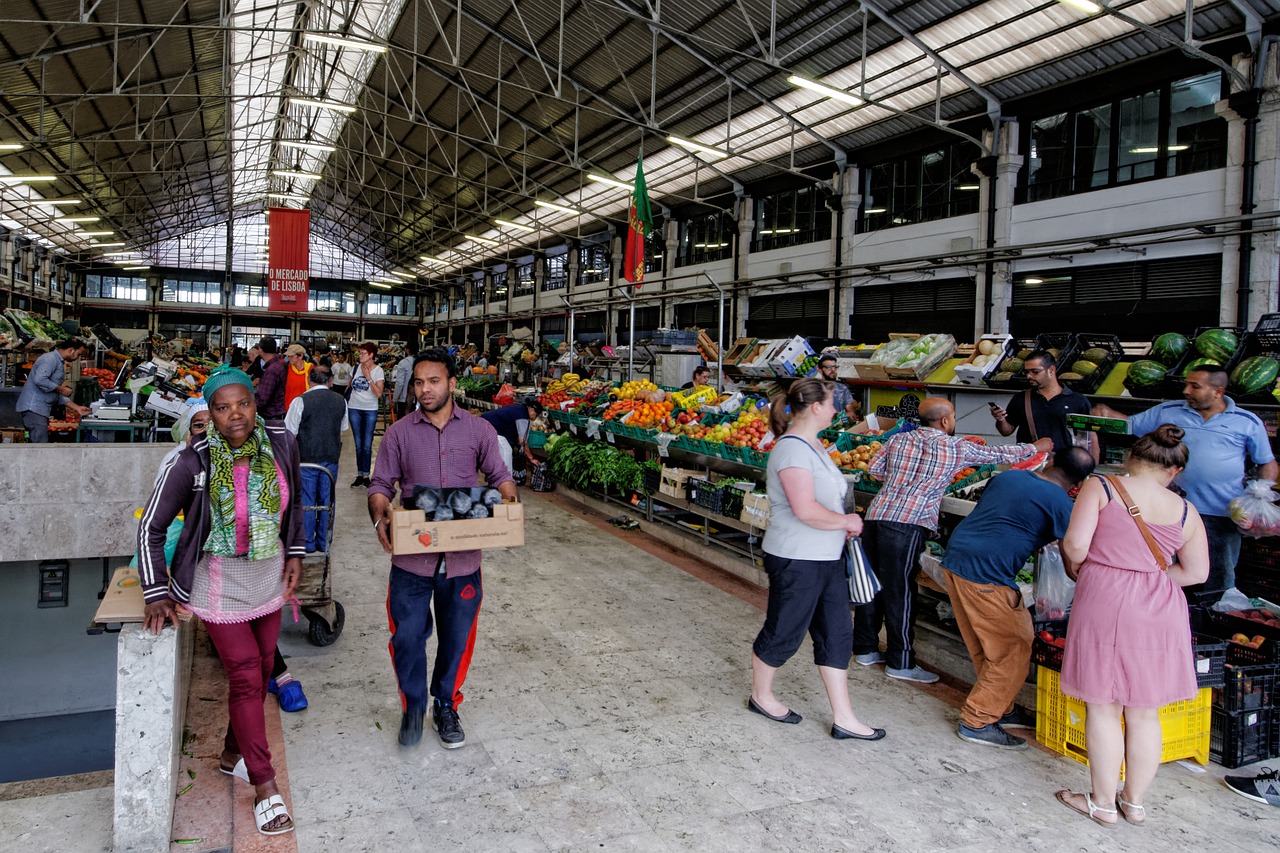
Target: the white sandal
(1094, 808)
(268, 810)
(1125, 806)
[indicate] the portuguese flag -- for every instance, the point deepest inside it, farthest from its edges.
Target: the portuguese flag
(639, 224)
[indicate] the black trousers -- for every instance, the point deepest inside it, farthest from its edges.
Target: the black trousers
(894, 551)
(806, 596)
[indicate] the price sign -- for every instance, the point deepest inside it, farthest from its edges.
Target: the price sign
(593, 428)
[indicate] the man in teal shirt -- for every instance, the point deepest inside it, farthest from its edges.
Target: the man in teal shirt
(1222, 438)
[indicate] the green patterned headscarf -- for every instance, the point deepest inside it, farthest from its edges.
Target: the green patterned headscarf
(263, 494)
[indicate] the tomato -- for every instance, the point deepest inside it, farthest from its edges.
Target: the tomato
(1047, 637)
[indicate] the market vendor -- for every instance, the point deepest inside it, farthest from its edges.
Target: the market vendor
(512, 423)
(1018, 514)
(1041, 410)
(916, 467)
(295, 383)
(701, 376)
(1222, 438)
(46, 387)
(841, 393)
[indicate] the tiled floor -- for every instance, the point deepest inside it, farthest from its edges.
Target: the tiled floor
(605, 711)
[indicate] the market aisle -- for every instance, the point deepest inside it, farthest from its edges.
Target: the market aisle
(605, 710)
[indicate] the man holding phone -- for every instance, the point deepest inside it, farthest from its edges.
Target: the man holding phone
(1041, 411)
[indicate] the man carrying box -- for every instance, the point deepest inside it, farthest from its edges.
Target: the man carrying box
(444, 447)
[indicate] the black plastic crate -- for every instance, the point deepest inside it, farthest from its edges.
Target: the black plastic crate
(705, 494)
(1258, 571)
(1045, 653)
(1255, 344)
(731, 500)
(1085, 341)
(1246, 688)
(1060, 341)
(1240, 738)
(1268, 330)
(1211, 658)
(1175, 375)
(650, 479)
(1011, 348)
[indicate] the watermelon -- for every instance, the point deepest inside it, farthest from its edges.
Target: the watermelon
(1097, 355)
(1084, 368)
(1002, 376)
(1255, 374)
(1217, 344)
(1011, 365)
(1199, 362)
(1146, 374)
(1070, 377)
(1169, 348)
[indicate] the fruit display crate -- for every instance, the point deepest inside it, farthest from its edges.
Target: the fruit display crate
(1176, 374)
(1211, 658)
(650, 479)
(537, 439)
(1019, 380)
(731, 500)
(1044, 653)
(1085, 341)
(704, 493)
(1256, 345)
(1060, 723)
(1258, 571)
(1246, 688)
(1240, 738)
(984, 472)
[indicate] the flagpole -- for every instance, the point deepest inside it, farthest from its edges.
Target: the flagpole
(631, 344)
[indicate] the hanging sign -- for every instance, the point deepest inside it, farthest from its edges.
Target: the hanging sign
(288, 258)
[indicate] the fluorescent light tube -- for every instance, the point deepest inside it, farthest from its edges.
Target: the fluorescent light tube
(1089, 8)
(354, 44)
(58, 201)
(506, 223)
(11, 146)
(1033, 281)
(379, 284)
(485, 240)
(137, 268)
(871, 210)
(697, 146)
(289, 197)
(27, 179)
(318, 104)
(301, 176)
(572, 211)
(828, 91)
(968, 187)
(612, 182)
(73, 219)
(309, 146)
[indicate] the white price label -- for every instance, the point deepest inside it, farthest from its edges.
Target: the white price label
(593, 428)
(573, 428)
(609, 437)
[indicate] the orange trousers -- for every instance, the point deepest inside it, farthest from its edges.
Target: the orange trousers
(997, 632)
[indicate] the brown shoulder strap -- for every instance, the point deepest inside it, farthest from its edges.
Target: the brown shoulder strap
(1031, 421)
(1142, 525)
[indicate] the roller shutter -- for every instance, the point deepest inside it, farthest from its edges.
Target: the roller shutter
(782, 315)
(943, 306)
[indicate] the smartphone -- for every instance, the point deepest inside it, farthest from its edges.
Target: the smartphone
(993, 405)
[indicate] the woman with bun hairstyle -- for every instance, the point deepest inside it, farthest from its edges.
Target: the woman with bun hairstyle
(804, 559)
(1132, 544)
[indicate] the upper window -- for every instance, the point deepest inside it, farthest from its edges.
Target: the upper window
(1172, 130)
(921, 187)
(498, 286)
(115, 287)
(593, 264)
(705, 238)
(557, 275)
(195, 292)
(655, 249)
(250, 296)
(791, 218)
(524, 279)
(335, 301)
(389, 305)
(476, 290)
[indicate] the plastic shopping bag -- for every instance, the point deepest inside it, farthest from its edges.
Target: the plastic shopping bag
(1255, 512)
(1054, 590)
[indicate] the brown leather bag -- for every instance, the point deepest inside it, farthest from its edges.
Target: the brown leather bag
(1136, 514)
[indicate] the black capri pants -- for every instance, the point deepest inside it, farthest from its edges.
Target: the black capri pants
(806, 595)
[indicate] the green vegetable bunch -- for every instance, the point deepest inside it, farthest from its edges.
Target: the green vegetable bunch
(584, 465)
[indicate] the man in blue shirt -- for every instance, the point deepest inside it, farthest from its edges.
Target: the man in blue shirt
(1221, 437)
(1019, 513)
(46, 387)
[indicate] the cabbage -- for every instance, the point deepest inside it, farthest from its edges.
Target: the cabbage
(460, 502)
(491, 497)
(479, 511)
(443, 514)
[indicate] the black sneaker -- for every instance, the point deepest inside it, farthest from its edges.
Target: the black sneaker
(357, 482)
(990, 735)
(1018, 718)
(1263, 788)
(444, 719)
(411, 726)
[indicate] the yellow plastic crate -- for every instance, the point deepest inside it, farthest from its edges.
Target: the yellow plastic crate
(1060, 723)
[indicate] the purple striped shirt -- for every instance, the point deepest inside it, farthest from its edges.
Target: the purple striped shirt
(414, 452)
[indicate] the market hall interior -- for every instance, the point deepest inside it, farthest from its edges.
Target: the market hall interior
(605, 710)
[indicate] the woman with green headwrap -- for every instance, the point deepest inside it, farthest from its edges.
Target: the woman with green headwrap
(237, 562)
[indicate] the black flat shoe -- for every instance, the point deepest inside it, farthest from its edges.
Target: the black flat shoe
(790, 717)
(844, 734)
(411, 726)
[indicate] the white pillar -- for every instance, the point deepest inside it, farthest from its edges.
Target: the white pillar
(850, 205)
(1008, 164)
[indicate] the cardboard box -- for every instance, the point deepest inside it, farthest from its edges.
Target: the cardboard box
(15, 435)
(787, 358)
(673, 480)
(411, 533)
(755, 510)
(970, 374)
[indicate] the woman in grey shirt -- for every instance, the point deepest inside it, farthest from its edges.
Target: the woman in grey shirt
(804, 559)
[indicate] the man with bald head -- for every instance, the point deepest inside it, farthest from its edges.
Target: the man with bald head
(916, 468)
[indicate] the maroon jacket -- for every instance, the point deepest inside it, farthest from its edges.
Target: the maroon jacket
(270, 392)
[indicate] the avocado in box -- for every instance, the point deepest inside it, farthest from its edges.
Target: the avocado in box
(461, 519)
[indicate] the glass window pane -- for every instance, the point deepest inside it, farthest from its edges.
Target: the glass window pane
(1093, 147)
(1049, 165)
(1197, 137)
(1139, 137)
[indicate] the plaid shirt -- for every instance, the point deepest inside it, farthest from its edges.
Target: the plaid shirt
(415, 453)
(916, 468)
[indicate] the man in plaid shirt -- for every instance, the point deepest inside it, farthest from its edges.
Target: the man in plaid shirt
(916, 468)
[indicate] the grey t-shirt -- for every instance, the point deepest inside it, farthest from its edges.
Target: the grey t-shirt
(788, 536)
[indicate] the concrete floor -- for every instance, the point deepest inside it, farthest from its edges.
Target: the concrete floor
(605, 710)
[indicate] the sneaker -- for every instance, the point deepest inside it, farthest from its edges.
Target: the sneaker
(921, 676)
(292, 698)
(1018, 718)
(444, 719)
(1263, 788)
(869, 659)
(990, 735)
(411, 726)
(357, 482)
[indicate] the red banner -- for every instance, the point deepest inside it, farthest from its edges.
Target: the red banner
(288, 258)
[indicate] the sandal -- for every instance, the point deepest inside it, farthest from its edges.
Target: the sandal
(265, 811)
(1093, 811)
(240, 771)
(1126, 809)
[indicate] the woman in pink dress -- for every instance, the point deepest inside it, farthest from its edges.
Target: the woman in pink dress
(1129, 641)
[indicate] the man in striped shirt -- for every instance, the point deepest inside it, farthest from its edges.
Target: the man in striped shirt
(916, 468)
(441, 446)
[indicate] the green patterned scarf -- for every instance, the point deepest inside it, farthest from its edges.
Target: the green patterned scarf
(264, 495)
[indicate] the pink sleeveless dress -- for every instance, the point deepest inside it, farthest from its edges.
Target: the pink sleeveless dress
(1129, 638)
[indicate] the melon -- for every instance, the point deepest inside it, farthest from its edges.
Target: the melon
(1084, 368)
(1011, 365)
(1199, 362)
(1097, 355)
(1024, 354)
(1003, 376)
(1069, 377)
(1169, 348)
(1146, 374)
(1255, 374)
(1217, 344)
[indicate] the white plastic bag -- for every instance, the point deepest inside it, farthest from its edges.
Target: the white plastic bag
(1054, 590)
(1255, 512)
